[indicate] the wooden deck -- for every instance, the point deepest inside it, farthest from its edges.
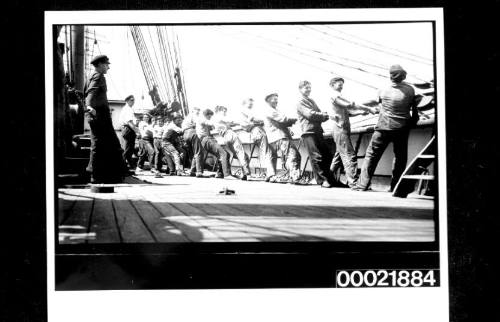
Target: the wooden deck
(186, 209)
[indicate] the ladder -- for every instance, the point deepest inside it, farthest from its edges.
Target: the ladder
(418, 169)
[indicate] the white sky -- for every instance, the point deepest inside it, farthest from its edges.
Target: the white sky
(224, 64)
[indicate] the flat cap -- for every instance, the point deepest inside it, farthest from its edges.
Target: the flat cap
(270, 95)
(100, 59)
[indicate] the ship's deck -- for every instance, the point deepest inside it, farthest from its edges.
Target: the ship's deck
(187, 209)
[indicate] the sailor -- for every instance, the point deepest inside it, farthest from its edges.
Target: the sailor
(172, 143)
(398, 113)
(252, 123)
(146, 149)
(280, 139)
(310, 119)
(231, 140)
(128, 130)
(193, 142)
(340, 111)
(158, 129)
(106, 163)
(204, 125)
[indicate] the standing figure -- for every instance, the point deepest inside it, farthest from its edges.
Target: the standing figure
(345, 157)
(280, 139)
(129, 130)
(255, 126)
(193, 142)
(172, 143)
(398, 113)
(310, 119)
(231, 140)
(106, 164)
(146, 149)
(203, 128)
(158, 129)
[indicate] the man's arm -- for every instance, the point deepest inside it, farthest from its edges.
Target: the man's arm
(415, 117)
(96, 81)
(310, 114)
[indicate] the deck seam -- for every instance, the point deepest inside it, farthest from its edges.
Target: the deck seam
(143, 221)
(116, 221)
(204, 226)
(171, 222)
(89, 224)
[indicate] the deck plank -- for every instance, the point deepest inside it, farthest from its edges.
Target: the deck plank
(103, 223)
(132, 228)
(74, 229)
(190, 228)
(163, 229)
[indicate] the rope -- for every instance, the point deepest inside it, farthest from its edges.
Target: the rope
(311, 65)
(380, 45)
(365, 46)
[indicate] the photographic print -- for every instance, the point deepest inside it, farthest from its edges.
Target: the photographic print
(265, 138)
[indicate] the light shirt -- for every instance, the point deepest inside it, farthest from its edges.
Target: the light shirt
(126, 115)
(146, 130)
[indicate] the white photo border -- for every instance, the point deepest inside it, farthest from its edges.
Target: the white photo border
(249, 305)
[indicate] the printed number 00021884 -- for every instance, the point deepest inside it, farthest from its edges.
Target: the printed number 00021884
(387, 278)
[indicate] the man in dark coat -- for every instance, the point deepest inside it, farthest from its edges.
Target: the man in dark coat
(310, 119)
(106, 163)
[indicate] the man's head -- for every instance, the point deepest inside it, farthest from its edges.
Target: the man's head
(130, 100)
(337, 83)
(248, 103)
(177, 118)
(207, 113)
(160, 121)
(305, 88)
(220, 110)
(146, 117)
(272, 99)
(101, 63)
(195, 110)
(397, 73)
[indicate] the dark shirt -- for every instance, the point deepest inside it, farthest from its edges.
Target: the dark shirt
(95, 94)
(310, 116)
(396, 104)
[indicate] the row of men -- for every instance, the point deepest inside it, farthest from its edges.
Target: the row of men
(269, 129)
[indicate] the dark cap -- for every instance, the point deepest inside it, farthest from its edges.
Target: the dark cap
(100, 59)
(397, 73)
(336, 79)
(268, 97)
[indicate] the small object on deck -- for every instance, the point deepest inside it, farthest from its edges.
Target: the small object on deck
(101, 188)
(226, 191)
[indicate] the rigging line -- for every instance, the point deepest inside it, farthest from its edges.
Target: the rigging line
(157, 79)
(380, 45)
(179, 66)
(160, 69)
(378, 65)
(165, 60)
(321, 58)
(184, 90)
(138, 50)
(337, 63)
(171, 56)
(148, 61)
(129, 59)
(365, 46)
(308, 64)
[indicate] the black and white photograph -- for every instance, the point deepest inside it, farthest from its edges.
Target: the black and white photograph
(248, 150)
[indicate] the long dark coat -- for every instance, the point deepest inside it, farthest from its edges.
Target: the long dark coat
(106, 162)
